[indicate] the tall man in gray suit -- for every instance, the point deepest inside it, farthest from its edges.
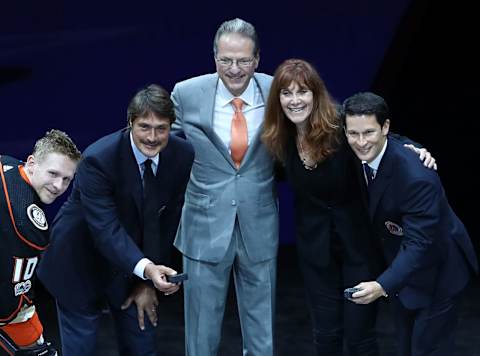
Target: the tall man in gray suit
(230, 218)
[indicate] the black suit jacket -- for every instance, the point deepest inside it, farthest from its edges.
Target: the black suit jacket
(329, 210)
(97, 234)
(426, 246)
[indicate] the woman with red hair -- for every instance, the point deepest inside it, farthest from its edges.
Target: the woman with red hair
(336, 249)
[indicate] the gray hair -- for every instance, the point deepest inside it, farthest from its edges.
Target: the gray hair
(237, 26)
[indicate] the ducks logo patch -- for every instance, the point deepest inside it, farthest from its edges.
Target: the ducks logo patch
(37, 217)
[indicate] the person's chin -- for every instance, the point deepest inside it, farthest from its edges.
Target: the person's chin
(151, 151)
(236, 84)
(297, 120)
(364, 156)
(47, 200)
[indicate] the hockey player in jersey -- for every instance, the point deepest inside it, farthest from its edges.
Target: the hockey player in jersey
(25, 188)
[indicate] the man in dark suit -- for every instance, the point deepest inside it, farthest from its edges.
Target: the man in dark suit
(426, 247)
(105, 245)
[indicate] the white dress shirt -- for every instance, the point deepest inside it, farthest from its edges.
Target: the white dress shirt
(376, 162)
(253, 110)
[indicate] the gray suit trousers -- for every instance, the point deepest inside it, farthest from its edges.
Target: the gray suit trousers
(206, 292)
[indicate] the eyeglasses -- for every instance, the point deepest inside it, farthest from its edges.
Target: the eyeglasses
(242, 62)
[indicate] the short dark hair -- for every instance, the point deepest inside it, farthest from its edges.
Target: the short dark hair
(56, 141)
(366, 103)
(152, 99)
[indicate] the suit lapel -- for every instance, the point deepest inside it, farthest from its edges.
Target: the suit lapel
(207, 113)
(129, 167)
(382, 180)
(154, 243)
(164, 177)
(361, 180)
(209, 90)
(256, 140)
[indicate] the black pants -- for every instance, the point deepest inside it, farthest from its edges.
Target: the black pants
(428, 331)
(336, 320)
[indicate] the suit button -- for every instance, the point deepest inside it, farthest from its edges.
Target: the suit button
(234, 202)
(237, 176)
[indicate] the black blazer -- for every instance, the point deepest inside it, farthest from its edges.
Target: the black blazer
(425, 244)
(329, 210)
(97, 233)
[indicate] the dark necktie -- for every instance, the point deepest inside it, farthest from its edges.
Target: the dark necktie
(151, 225)
(368, 173)
(148, 177)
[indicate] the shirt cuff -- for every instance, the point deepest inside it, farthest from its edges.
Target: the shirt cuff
(139, 269)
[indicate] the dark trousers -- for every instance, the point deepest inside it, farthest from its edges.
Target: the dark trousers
(79, 328)
(335, 319)
(427, 331)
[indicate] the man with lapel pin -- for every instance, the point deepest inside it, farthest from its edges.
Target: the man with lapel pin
(116, 230)
(427, 249)
(229, 222)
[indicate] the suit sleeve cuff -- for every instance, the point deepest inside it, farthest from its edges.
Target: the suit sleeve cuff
(140, 268)
(385, 293)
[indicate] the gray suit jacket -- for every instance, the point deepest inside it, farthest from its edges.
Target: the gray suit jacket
(217, 192)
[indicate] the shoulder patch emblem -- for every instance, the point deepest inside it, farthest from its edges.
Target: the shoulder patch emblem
(6, 168)
(37, 217)
(393, 228)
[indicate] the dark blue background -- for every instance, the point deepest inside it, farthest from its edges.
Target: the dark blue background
(75, 65)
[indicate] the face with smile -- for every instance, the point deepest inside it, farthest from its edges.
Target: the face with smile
(297, 103)
(235, 61)
(365, 135)
(50, 175)
(150, 134)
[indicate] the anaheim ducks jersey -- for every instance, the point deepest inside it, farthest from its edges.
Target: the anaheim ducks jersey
(23, 236)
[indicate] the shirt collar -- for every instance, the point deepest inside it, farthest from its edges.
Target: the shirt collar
(139, 156)
(225, 97)
(376, 162)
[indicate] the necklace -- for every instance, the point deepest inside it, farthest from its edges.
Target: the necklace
(307, 162)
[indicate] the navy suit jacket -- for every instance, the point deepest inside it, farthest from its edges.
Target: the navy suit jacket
(426, 247)
(97, 234)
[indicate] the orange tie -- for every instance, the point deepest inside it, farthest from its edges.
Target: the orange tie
(239, 139)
